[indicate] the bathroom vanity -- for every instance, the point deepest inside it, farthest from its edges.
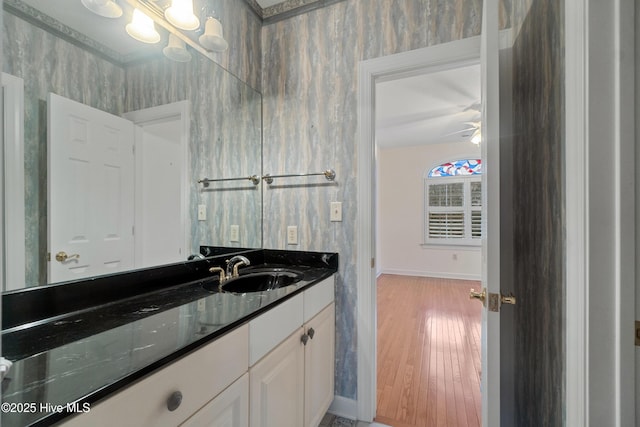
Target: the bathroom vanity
(178, 351)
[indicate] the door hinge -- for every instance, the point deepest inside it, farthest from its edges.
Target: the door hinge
(373, 262)
(638, 333)
(494, 302)
(48, 256)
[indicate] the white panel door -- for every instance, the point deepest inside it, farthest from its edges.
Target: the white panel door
(489, 62)
(90, 191)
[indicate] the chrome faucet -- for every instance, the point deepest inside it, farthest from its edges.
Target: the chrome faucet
(234, 263)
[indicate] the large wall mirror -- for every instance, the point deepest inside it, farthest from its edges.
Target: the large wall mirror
(188, 119)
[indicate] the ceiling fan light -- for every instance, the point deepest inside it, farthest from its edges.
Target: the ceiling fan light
(212, 39)
(476, 138)
(105, 8)
(180, 14)
(142, 28)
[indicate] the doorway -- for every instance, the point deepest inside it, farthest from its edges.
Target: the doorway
(428, 248)
(161, 182)
(437, 58)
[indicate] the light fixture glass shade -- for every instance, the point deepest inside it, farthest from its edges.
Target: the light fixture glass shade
(476, 138)
(212, 39)
(176, 49)
(142, 28)
(106, 8)
(180, 14)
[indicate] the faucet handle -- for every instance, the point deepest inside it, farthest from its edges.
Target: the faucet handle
(237, 266)
(234, 263)
(220, 271)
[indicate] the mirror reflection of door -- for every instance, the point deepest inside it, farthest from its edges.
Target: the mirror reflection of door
(113, 207)
(161, 201)
(90, 191)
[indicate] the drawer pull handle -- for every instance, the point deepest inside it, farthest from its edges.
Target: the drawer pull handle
(174, 401)
(311, 333)
(304, 339)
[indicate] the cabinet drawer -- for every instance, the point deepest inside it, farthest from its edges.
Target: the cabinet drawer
(318, 297)
(199, 377)
(269, 329)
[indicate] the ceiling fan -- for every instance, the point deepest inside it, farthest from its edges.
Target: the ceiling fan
(472, 130)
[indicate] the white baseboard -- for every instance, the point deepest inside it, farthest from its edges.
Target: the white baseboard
(437, 274)
(344, 407)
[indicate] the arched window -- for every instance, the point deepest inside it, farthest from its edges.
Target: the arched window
(464, 167)
(453, 203)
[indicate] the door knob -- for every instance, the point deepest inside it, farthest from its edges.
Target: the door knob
(304, 338)
(62, 256)
(478, 295)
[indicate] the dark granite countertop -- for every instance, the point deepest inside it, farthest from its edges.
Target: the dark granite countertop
(91, 351)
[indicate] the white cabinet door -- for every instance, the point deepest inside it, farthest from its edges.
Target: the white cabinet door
(319, 362)
(229, 409)
(277, 386)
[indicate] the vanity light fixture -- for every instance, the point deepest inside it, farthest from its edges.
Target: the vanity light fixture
(142, 28)
(180, 14)
(212, 39)
(176, 49)
(105, 8)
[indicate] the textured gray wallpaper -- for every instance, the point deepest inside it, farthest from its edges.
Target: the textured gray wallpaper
(309, 88)
(539, 215)
(225, 142)
(241, 27)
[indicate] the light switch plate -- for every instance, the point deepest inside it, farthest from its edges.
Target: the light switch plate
(235, 233)
(202, 212)
(292, 235)
(336, 211)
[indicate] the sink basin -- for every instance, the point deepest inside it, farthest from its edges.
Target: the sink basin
(257, 280)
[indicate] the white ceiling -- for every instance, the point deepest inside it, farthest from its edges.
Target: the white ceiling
(431, 108)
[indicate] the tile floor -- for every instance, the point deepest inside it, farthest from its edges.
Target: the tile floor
(331, 420)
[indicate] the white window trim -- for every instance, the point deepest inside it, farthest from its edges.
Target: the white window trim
(466, 209)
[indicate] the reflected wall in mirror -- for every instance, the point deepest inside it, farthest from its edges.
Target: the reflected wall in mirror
(224, 128)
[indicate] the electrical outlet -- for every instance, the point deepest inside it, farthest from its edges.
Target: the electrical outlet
(336, 211)
(201, 305)
(235, 233)
(292, 235)
(202, 212)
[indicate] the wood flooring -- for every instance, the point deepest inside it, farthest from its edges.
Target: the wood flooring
(428, 352)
